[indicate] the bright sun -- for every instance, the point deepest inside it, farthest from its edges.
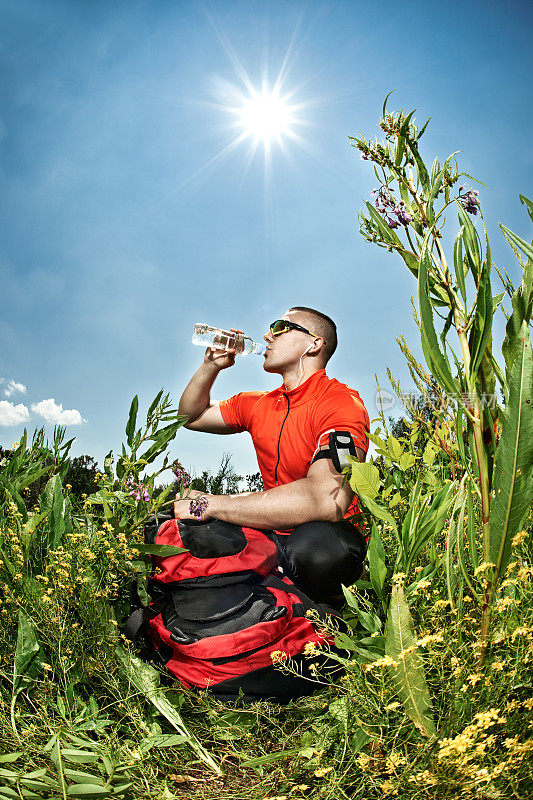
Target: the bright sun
(265, 115)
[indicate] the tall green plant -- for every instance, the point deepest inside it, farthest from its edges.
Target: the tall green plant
(455, 315)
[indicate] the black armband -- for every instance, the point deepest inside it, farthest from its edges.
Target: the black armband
(341, 445)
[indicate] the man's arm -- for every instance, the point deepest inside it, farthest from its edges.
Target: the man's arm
(321, 495)
(195, 402)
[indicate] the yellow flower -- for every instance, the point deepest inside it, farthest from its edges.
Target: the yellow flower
(392, 706)
(386, 661)
(310, 649)
(483, 567)
(395, 759)
(525, 630)
(322, 771)
(363, 760)
(277, 656)
(519, 538)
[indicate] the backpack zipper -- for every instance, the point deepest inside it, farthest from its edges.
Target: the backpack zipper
(279, 438)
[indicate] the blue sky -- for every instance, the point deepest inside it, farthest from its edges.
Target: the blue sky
(119, 227)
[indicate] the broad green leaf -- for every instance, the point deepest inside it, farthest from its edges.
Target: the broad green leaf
(10, 758)
(436, 359)
(377, 563)
(343, 641)
(394, 447)
(368, 619)
(386, 232)
(396, 498)
(146, 680)
(378, 441)
(513, 467)
(85, 777)
(471, 242)
(358, 739)
(528, 203)
(162, 740)
(407, 461)
(7, 773)
(88, 790)
(496, 300)
(451, 542)
(520, 243)
(471, 528)
(429, 522)
(29, 528)
(364, 478)
(28, 662)
(379, 512)
(52, 501)
(32, 476)
(408, 676)
(161, 439)
(270, 758)
(482, 326)
(154, 403)
(161, 550)
(522, 304)
(132, 419)
(79, 756)
(340, 710)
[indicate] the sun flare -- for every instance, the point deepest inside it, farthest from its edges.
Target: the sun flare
(266, 116)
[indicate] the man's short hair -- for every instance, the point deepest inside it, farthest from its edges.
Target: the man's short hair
(324, 326)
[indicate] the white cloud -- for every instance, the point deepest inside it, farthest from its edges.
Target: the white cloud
(53, 412)
(11, 414)
(13, 386)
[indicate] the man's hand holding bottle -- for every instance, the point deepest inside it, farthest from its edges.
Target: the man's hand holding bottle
(221, 359)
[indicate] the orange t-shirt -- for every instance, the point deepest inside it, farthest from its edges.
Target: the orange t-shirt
(288, 427)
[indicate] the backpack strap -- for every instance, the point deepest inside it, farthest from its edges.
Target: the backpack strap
(275, 582)
(141, 613)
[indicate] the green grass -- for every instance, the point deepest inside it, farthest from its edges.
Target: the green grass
(79, 713)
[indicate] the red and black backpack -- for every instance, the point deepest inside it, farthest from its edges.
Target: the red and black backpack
(219, 612)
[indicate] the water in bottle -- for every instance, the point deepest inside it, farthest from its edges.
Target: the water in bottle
(218, 339)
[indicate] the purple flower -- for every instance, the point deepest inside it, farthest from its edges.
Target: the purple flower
(180, 473)
(469, 200)
(137, 490)
(198, 506)
(392, 223)
(384, 200)
(403, 217)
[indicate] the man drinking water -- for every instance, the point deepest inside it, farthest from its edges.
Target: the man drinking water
(302, 433)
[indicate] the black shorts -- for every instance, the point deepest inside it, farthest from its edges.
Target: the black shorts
(321, 556)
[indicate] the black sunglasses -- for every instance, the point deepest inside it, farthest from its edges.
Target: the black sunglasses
(280, 326)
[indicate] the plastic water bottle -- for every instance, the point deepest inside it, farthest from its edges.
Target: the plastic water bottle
(218, 339)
